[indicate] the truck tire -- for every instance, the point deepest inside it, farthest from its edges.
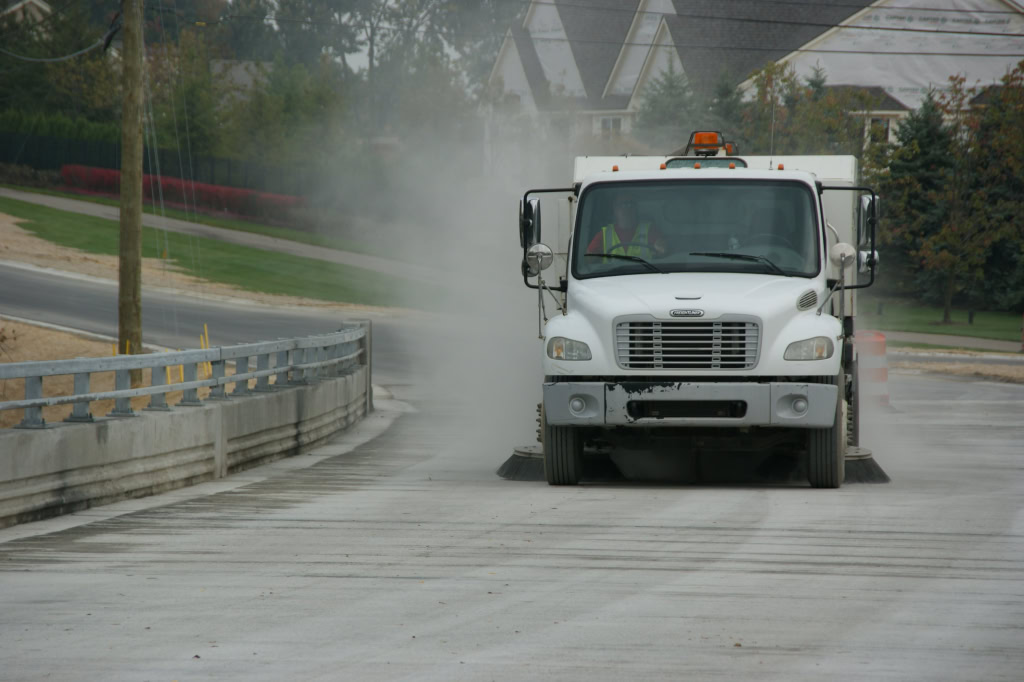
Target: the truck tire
(826, 448)
(563, 454)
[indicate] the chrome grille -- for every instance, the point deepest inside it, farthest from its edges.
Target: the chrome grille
(687, 345)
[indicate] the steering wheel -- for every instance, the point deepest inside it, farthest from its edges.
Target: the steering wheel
(769, 238)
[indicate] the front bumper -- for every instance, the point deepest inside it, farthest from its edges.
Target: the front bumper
(674, 403)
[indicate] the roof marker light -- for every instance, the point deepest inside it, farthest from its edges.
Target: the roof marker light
(663, 166)
(697, 165)
(732, 165)
(782, 167)
(615, 169)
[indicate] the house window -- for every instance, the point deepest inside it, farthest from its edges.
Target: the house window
(611, 127)
(879, 130)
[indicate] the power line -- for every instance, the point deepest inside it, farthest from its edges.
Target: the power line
(590, 41)
(797, 3)
(50, 60)
(712, 17)
(824, 25)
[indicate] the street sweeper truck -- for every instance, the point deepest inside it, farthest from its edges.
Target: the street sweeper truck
(701, 297)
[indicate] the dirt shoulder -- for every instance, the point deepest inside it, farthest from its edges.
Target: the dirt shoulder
(22, 342)
(1009, 373)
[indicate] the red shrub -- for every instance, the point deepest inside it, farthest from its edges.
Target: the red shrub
(244, 202)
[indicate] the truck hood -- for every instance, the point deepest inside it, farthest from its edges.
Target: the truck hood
(714, 294)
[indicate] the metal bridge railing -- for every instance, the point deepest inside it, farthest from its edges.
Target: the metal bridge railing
(293, 362)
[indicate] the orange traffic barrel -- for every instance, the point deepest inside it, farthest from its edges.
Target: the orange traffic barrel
(872, 366)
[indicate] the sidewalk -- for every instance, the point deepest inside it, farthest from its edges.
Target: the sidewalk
(256, 241)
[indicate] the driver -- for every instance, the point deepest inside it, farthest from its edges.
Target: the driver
(624, 235)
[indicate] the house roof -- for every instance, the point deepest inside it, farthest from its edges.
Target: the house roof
(531, 66)
(712, 39)
(737, 38)
(986, 96)
(19, 4)
(880, 99)
(596, 30)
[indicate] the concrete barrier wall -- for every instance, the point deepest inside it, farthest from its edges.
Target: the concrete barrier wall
(70, 467)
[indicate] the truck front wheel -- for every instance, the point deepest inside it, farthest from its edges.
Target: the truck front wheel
(563, 454)
(826, 448)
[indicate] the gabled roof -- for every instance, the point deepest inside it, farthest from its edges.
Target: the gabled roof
(531, 65)
(880, 99)
(20, 4)
(712, 39)
(986, 96)
(737, 38)
(596, 30)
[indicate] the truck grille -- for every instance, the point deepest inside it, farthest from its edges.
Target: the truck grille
(687, 345)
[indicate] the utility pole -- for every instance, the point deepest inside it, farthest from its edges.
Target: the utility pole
(129, 294)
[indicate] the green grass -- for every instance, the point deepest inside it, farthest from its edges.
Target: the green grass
(245, 267)
(911, 345)
(226, 223)
(903, 316)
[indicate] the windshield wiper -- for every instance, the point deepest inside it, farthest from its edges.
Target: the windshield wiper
(636, 259)
(742, 256)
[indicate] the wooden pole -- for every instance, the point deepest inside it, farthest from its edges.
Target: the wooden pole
(129, 296)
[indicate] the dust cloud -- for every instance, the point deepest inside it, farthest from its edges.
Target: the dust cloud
(471, 349)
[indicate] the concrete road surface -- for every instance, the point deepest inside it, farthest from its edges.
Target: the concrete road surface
(405, 557)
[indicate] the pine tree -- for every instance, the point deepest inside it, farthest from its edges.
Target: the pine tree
(917, 169)
(667, 109)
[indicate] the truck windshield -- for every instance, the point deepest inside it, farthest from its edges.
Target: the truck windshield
(696, 226)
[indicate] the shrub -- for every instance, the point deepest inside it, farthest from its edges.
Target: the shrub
(25, 176)
(243, 202)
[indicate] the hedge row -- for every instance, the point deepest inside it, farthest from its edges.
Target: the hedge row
(243, 202)
(25, 176)
(58, 125)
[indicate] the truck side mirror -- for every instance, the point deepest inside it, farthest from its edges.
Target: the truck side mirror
(538, 258)
(529, 222)
(842, 255)
(868, 219)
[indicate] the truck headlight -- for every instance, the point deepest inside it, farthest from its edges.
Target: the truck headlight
(561, 348)
(818, 348)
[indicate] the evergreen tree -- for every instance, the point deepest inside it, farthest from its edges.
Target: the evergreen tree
(917, 170)
(666, 113)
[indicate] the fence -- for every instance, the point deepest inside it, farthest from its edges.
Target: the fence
(295, 362)
(51, 153)
(322, 386)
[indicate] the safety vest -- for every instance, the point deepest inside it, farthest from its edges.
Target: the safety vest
(639, 247)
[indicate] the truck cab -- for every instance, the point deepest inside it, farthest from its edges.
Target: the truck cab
(709, 296)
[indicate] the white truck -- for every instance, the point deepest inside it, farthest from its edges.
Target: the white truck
(701, 295)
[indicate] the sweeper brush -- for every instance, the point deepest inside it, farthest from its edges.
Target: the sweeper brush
(861, 467)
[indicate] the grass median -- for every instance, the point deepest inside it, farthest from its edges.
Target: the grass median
(244, 267)
(236, 224)
(906, 316)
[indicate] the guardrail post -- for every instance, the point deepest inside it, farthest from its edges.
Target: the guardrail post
(308, 355)
(33, 418)
(241, 367)
(365, 359)
(80, 411)
(217, 368)
(122, 406)
(158, 401)
(190, 396)
(282, 377)
(262, 363)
